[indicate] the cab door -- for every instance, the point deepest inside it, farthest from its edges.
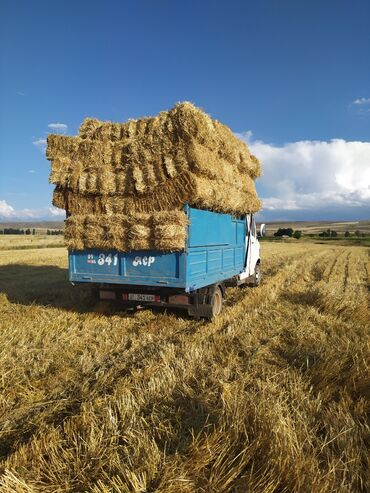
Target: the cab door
(253, 246)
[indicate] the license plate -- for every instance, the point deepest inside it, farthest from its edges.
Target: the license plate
(141, 297)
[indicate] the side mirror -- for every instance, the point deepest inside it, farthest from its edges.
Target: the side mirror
(262, 230)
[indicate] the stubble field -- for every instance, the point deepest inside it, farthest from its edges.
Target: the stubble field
(270, 397)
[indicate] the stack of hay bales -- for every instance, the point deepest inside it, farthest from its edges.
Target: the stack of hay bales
(124, 185)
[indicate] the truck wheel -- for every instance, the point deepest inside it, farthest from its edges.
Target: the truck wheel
(216, 302)
(257, 275)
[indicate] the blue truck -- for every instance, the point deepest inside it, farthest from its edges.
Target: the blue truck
(221, 250)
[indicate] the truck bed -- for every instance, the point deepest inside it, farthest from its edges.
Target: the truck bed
(214, 252)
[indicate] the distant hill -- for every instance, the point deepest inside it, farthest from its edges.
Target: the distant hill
(315, 227)
(33, 224)
(306, 227)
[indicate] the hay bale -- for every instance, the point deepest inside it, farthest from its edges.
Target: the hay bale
(58, 199)
(140, 232)
(88, 128)
(169, 230)
(117, 233)
(127, 232)
(94, 232)
(220, 196)
(74, 233)
(124, 185)
(238, 197)
(138, 156)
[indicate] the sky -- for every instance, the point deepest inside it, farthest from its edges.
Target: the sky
(291, 78)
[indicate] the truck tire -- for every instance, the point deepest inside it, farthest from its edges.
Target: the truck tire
(207, 302)
(216, 301)
(257, 276)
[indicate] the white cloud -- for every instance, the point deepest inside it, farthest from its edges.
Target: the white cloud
(9, 213)
(57, 213)
(361, 101)
(6, 210)
(32, 171)
(59, 127)
(247, 136)
(41, 144)
(314, 175)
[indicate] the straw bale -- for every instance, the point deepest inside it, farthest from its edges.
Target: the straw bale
(138, 156)
(91, 183)
(88, 127)
(124, 185)
(151, 176)
(61, 145)
(140, 232)
(167, 239)
(81, 204)
(74, 233)
(127, 232)
(93, 234)
(169, 230)
(170, 167)
(173, 196)
(222, 197)
(59, 198)
(74, 175)
(117, 233)
(60, 171)
(106, 182)
(138, 177)
(234, 195)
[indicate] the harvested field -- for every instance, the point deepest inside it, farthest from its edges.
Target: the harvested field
(270, 397)
(24, 242)
(316, 227)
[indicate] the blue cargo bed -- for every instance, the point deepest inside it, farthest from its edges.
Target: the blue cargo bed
(214, 252)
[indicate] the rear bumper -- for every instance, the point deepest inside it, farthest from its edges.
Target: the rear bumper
(118, 294)
(197, 303)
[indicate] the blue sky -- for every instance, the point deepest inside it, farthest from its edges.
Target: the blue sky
(288, 76)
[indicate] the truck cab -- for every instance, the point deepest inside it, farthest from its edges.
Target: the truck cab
(252, 272)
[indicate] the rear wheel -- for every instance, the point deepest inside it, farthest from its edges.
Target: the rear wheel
(207, 302)
(216, 302)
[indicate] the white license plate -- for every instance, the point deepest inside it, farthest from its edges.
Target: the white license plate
(141, 297)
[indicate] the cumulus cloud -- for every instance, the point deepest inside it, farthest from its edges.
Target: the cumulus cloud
(58, 127)
(40, 144)
(313, 175)
(57, 213)
(9, 213)
(6, 210)
(361, 101)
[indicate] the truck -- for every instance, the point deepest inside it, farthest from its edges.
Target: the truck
(221, 250)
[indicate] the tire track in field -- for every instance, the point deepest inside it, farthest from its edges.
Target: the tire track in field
(346, 272)
(333, 267)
